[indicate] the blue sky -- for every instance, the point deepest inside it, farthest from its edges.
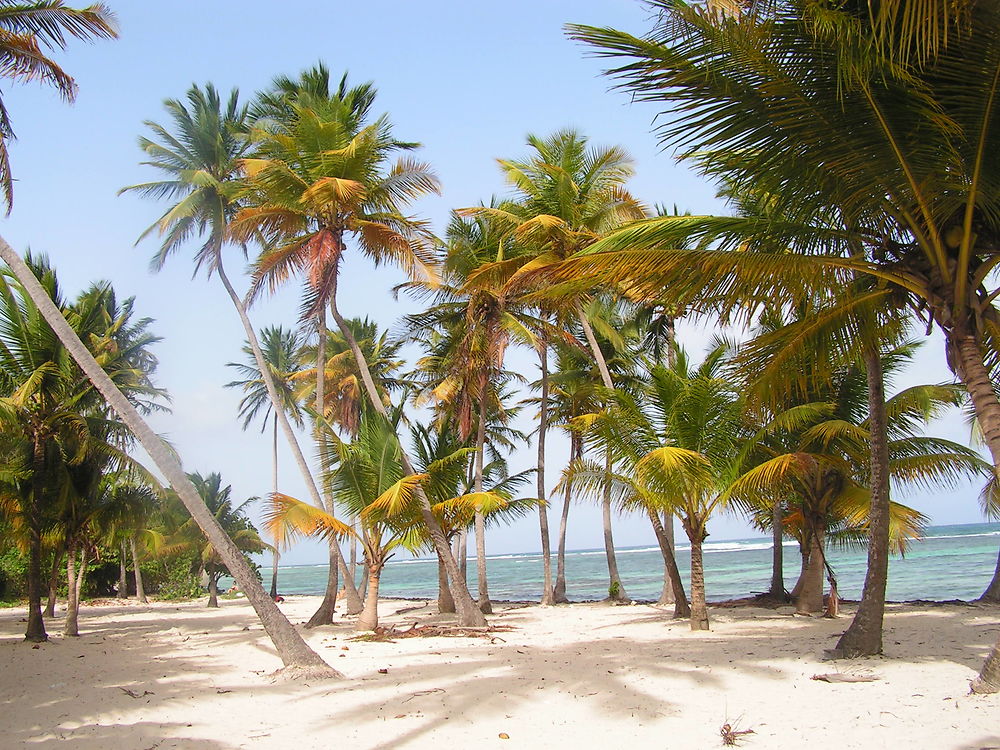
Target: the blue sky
(467, 80)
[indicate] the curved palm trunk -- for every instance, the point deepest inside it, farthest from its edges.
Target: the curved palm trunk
(777, 591)
(292, 650)
(369, 616)
(36, 626)
(602, 364)
(671, 575)
(968, 358)
(543, 514)
(667, 594)
(559, 590)
(616, 589)
(864, 636)
(992, 593)
(483, 580)
(140, 591)
(122, 572)
(810, 597)
(469, 614)
(803, 564)
(699, 607)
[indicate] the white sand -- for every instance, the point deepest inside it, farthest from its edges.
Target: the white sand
(582, 676)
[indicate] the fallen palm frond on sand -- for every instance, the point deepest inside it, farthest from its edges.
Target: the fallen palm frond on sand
(390, 634)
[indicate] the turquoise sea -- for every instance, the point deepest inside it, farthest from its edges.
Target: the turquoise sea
(950, 562)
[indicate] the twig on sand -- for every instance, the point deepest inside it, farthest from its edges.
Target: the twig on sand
(732, 736)
(133, 694)
(422, 692)
(390, 634)
(838, 677)
(404, 610)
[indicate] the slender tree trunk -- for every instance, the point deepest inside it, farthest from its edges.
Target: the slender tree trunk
(446, 604)
(864, 636)
(469, 615)
(699, 607)
(968, 358)
(274, 487)
(70, 626)
(616, 589)
(363, 590)
(324, 613)
(671, 574)
(543, 513)
(462, 553)
(810, 598)
(293, 651)
(602, 364)
(559, 591)
(369, 616)
(36, 626)
(667, 595)
(122, 572)
(803, 564)
(213, 590)
(140, 591)
(354, 554)
(279, 412)
(777, 591)
(484, 589)
(54, 575)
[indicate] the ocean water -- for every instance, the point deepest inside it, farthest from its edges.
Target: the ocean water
(950, 562)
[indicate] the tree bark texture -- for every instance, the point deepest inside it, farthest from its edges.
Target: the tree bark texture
(54, 575)
(292, 650)
(140, 591)
(671, 575)
(122, 572)
(324, 613)
(864, 636)
(369, 616)
(213, 590)
(699, 607)
(35, 630)
(616, 589)
(667, 594)
(559, 590)
(543, 513)
(446, 604)
(71, 627)
(482, 578)
(777, 591)
(810, 597)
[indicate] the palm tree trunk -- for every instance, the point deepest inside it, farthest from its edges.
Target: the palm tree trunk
(484, 589)
(122, 572)
(54, 574)
(140, 591)
(667, 595)
(777, 591)
(602, 365)
(810, 597)
(559, 591)
(864, 636)
(324, 613)
(543, 514)
(213, 590)
(968, 358)
(293, 651)
(616, 590)
(671, 574)
(71, 625)
(803, 564)
(286, 428)
(274, 486)
(469, 615)
(992, 593)
(699, 607)
(369, 616)
(446, 604)
(36, 626)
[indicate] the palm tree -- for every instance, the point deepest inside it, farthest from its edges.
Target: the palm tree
(281, 351)
(188, 538)
(320, 176)
(199, 161)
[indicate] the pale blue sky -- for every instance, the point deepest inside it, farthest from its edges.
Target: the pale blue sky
(468, 80)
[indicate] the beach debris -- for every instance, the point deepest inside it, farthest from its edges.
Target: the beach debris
(133, 694)
(503, 736)
(383, 671)
(839, 677)
(389, 634)
(732, 736)
(422, 692)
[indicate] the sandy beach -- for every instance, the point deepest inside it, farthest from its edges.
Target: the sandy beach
(172, 675)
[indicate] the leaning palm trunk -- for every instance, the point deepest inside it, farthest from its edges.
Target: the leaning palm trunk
(292, 650)
(274, 487)
(286, 428)
(671, 575)
(446, 604)
(559, 590)
(543, 514)
(968, 361)
(667, 594)
(469, 614)
(864, 636)
(699, 607)
(992, 593)
(483, 580)
(140, 592)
